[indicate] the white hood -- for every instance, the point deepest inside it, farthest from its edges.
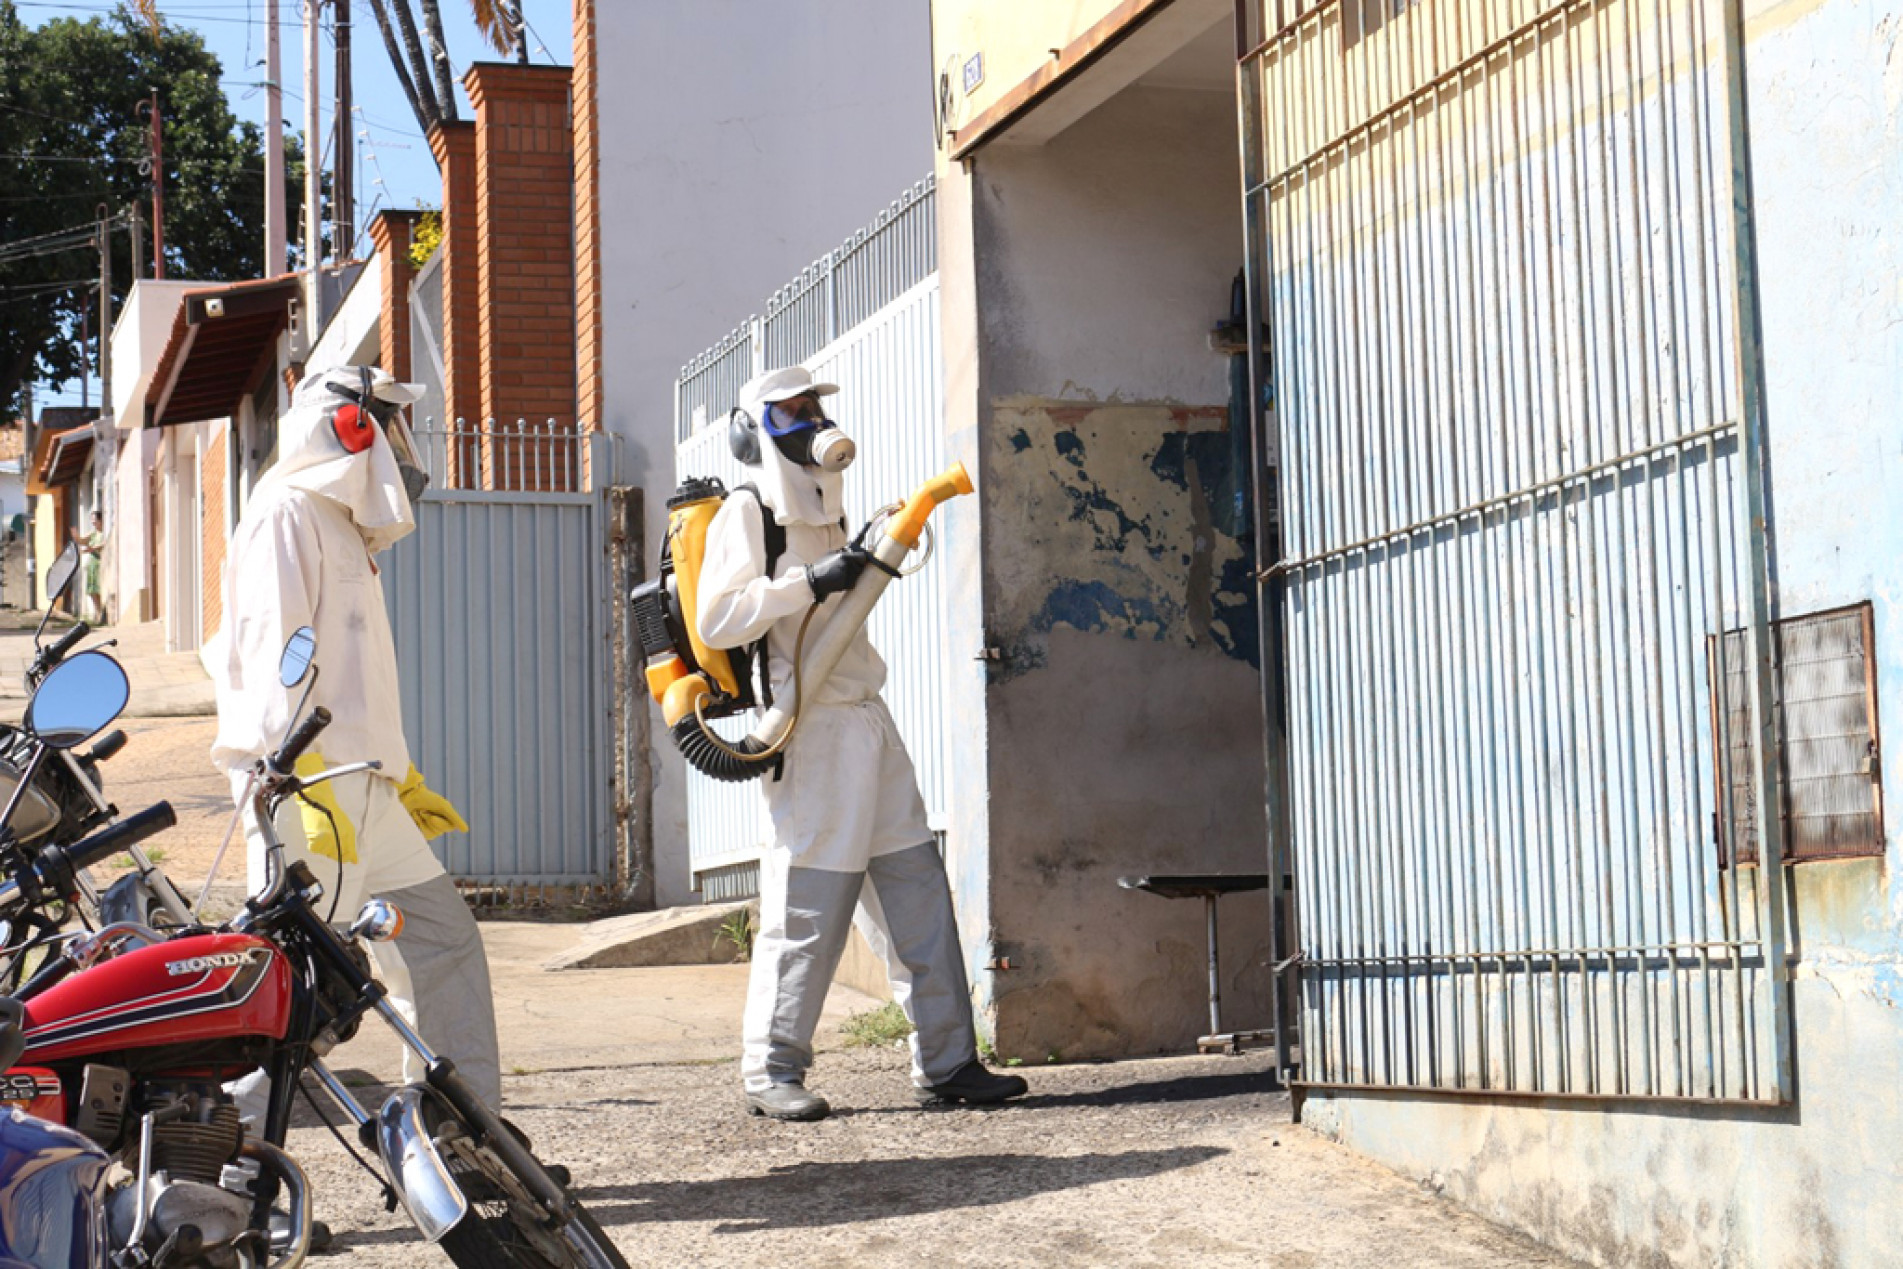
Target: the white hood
(368, 485)
(798, 495)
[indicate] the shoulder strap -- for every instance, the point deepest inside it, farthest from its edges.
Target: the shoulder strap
(772, 532)
(773, 539)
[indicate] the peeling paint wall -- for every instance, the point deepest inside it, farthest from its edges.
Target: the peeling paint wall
(1123, 716)
(1817, 1183)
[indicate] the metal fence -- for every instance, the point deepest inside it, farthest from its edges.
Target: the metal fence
(549, 456)
(497, 606)
(1504, 253)
(891, 399)
(831, 296)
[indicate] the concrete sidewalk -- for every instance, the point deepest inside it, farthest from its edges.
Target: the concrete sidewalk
(164, 684)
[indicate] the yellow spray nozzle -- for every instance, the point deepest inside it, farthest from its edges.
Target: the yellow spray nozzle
(906, 525)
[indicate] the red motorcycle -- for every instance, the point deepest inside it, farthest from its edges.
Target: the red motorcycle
(132, 1037)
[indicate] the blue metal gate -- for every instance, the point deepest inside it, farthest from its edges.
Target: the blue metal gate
(498, 609)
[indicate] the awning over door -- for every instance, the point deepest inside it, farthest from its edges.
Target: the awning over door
(59, 458)
(218, 342)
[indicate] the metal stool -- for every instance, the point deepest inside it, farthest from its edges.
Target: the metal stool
(1209, 887)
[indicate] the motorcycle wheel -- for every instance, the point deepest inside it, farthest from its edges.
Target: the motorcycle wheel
(504, 1227)
(128, 900)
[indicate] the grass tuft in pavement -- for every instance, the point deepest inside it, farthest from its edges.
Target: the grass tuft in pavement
(875, 1027)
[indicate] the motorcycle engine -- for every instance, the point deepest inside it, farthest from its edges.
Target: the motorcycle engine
(198, 1195)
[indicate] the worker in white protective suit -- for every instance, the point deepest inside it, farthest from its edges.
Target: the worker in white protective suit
(849, 828)
(304, 555)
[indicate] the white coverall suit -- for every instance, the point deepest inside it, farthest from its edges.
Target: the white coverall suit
(302, 556)
(849, 824)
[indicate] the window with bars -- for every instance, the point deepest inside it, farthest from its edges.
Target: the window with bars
(1825, 696)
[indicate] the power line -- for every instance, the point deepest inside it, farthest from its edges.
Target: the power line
(108, 11)
(89, 227)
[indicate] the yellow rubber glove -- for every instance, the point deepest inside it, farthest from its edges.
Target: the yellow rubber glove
(332, 836)
(431, 811)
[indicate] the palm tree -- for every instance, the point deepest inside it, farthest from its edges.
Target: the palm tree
(424, 76)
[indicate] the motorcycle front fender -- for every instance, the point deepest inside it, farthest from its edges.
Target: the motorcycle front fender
(416, 1168)
(52, 1195)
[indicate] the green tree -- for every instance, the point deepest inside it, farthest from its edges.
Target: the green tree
(72, 141)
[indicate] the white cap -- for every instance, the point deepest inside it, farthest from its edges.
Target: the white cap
(383, 385)
(782, 385)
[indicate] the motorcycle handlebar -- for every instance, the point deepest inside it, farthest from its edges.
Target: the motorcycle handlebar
(56, 651)
(109, 744)
(294, 746)
(57, 867)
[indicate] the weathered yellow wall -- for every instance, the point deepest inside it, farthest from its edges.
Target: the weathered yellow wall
(1015, 39)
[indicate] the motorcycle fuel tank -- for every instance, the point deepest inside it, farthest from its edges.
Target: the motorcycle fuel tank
(185, 991)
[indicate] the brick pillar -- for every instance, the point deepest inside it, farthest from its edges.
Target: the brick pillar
(589, 398)
(393, 232)
(454, 145)
(526, 272)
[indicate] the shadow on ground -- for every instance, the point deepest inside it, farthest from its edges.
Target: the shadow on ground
(1190, 1088)
(811, 1195)
(814, 1195)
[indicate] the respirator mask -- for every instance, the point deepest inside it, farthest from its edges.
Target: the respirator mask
(806, 436)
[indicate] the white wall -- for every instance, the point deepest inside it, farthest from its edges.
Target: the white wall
(139, 336)
(739, 141)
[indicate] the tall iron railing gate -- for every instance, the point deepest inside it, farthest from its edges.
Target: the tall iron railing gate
(497, 607)
(866, 317)
(1503, 252)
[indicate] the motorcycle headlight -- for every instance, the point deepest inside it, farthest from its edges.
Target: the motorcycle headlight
(378, 921)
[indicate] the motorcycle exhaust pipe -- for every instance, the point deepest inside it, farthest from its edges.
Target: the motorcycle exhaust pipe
(296, 1246)
(899, 536)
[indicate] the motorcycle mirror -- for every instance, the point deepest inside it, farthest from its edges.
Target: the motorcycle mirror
(379, 921)
(58, 578)
(296, 661)
(76, 700)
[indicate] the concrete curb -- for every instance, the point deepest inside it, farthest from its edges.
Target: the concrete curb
(672, 936)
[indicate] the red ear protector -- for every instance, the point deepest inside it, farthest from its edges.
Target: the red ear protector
(355, 426)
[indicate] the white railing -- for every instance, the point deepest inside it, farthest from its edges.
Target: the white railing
(526, 456)
(837, 292)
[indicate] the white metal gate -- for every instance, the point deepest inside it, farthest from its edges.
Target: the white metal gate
(866, 318)
(497, 607)
(1504, 253)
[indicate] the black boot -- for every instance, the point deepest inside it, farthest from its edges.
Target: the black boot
(974, 1085)
(788, 1101)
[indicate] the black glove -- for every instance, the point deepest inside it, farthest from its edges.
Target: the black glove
(833, 573)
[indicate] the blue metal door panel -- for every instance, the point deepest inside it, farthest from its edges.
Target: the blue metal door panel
(498, 614)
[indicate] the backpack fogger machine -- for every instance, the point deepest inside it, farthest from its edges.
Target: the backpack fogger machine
(695, 684)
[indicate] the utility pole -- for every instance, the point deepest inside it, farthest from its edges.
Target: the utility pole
(274, 231)
(105, 313)
(156, 161)
(343, 220)
(514, 10)
(135, 211)
(313, 156)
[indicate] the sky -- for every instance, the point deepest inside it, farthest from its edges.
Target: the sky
(394, 167)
